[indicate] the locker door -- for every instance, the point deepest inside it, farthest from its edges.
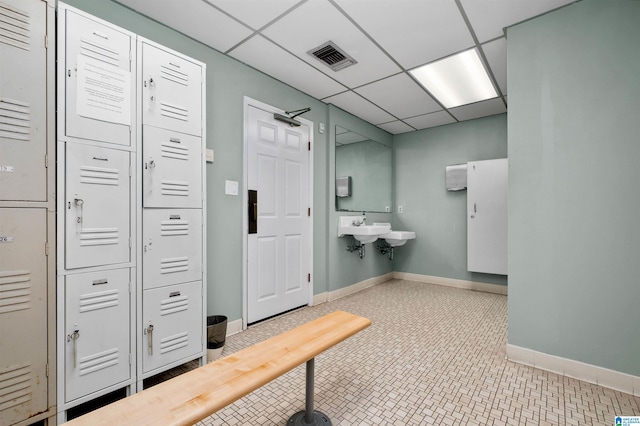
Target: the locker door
(23, 100)
(101, 56)
(23, 313)
(172, 318)
(172, 169)
(171, 91)
(172, 240)
(97, 206)
(96, 331)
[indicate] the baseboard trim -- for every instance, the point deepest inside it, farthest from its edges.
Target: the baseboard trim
(234, 327)
(329, 296)
(575, 369)
(452, 282)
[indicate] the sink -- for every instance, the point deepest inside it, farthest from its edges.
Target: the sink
(398, 238)
(363, 233)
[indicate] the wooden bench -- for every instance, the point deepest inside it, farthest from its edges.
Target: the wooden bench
(194, 395)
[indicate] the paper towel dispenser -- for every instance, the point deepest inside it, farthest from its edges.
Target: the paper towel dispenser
(343, 186)
(456, 177)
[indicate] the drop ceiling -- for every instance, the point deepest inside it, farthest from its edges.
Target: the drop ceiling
(387, 38)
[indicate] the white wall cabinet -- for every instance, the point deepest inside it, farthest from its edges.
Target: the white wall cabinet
(487, 216)
(27, 212)
(131, 295)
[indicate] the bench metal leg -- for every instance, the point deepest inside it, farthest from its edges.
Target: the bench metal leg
(309, 416)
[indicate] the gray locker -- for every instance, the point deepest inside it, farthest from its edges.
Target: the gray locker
(23, 313)
(23, 101)
(97, 207)
(172, 169)
(172, 321)
(97, 326)
(172, 246)
(103, 53)
(171, 91)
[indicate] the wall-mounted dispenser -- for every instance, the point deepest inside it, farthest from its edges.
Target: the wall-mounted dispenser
(456, 177)
(343, 186)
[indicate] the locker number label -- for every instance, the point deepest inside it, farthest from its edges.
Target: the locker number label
(5, 239)
(6, 169)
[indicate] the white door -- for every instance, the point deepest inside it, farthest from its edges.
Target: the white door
(97, 206)
(171, 91)
(99, 85)
(96, 331)
(172, 169)
(278, 253)
(172, 246)
(172, 318)
(23, 101)
(487, 216)
(23, 313)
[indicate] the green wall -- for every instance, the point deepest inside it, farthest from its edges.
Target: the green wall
(574, 238)
(436, 215)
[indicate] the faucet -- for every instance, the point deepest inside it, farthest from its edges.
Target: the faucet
(359, 222)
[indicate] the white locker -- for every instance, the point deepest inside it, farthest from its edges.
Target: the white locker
(172, 169)
(171, 91)
(23, 313)
(172, 321)
(172, 246)
(99, 81)
(97, 326)
(97, 208)
(23, 101)
(487, 216)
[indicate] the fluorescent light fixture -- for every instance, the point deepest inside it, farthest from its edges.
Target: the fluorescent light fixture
(457, 80)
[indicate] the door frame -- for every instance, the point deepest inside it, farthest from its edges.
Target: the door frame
(245, 216)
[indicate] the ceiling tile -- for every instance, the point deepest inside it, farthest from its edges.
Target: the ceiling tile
(496, 53)
(318, 21)
(399, 95)
(255, 13)
(194, 18)
(413, 32)
(479, 109)
(434, 119)
(360, 107)
(272, 60)
(396, 127)
(489, 17)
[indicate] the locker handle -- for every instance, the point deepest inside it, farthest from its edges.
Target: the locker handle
(176, 140)
(100, 282)
(101, 35)
(74, 336)
(174, 294)
(149, 332)
(101, 159)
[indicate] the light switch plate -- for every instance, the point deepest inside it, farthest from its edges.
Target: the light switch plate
(231, 187)
(209, 153)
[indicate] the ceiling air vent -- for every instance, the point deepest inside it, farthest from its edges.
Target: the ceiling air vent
(334, 57)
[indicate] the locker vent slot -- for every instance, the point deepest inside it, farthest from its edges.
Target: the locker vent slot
(174, 227)
(99, 52)
(14, 26)
(15, 386)
(99, 175)
(174, 342)
(174, 187)
(174, 264)
(174, 111)
(98, 236)
(15, 122)
(100, 361)
(99, 300)
(174, 304)
(174, 150)
(174, 75)
(15, 291)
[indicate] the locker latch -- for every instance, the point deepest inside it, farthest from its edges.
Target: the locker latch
(149, 332)
(74, 336)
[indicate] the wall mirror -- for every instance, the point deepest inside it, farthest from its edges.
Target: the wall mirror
(363, 173)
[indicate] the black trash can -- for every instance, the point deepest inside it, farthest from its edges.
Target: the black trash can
(216, 333)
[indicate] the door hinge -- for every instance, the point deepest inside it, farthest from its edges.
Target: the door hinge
(308, 278)
(130, 171)
(129, 242)
(130, 359)
(46, 249)
(309, 146)
(46, 161)
(129, 292)
(46, 41)
(46, 371)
